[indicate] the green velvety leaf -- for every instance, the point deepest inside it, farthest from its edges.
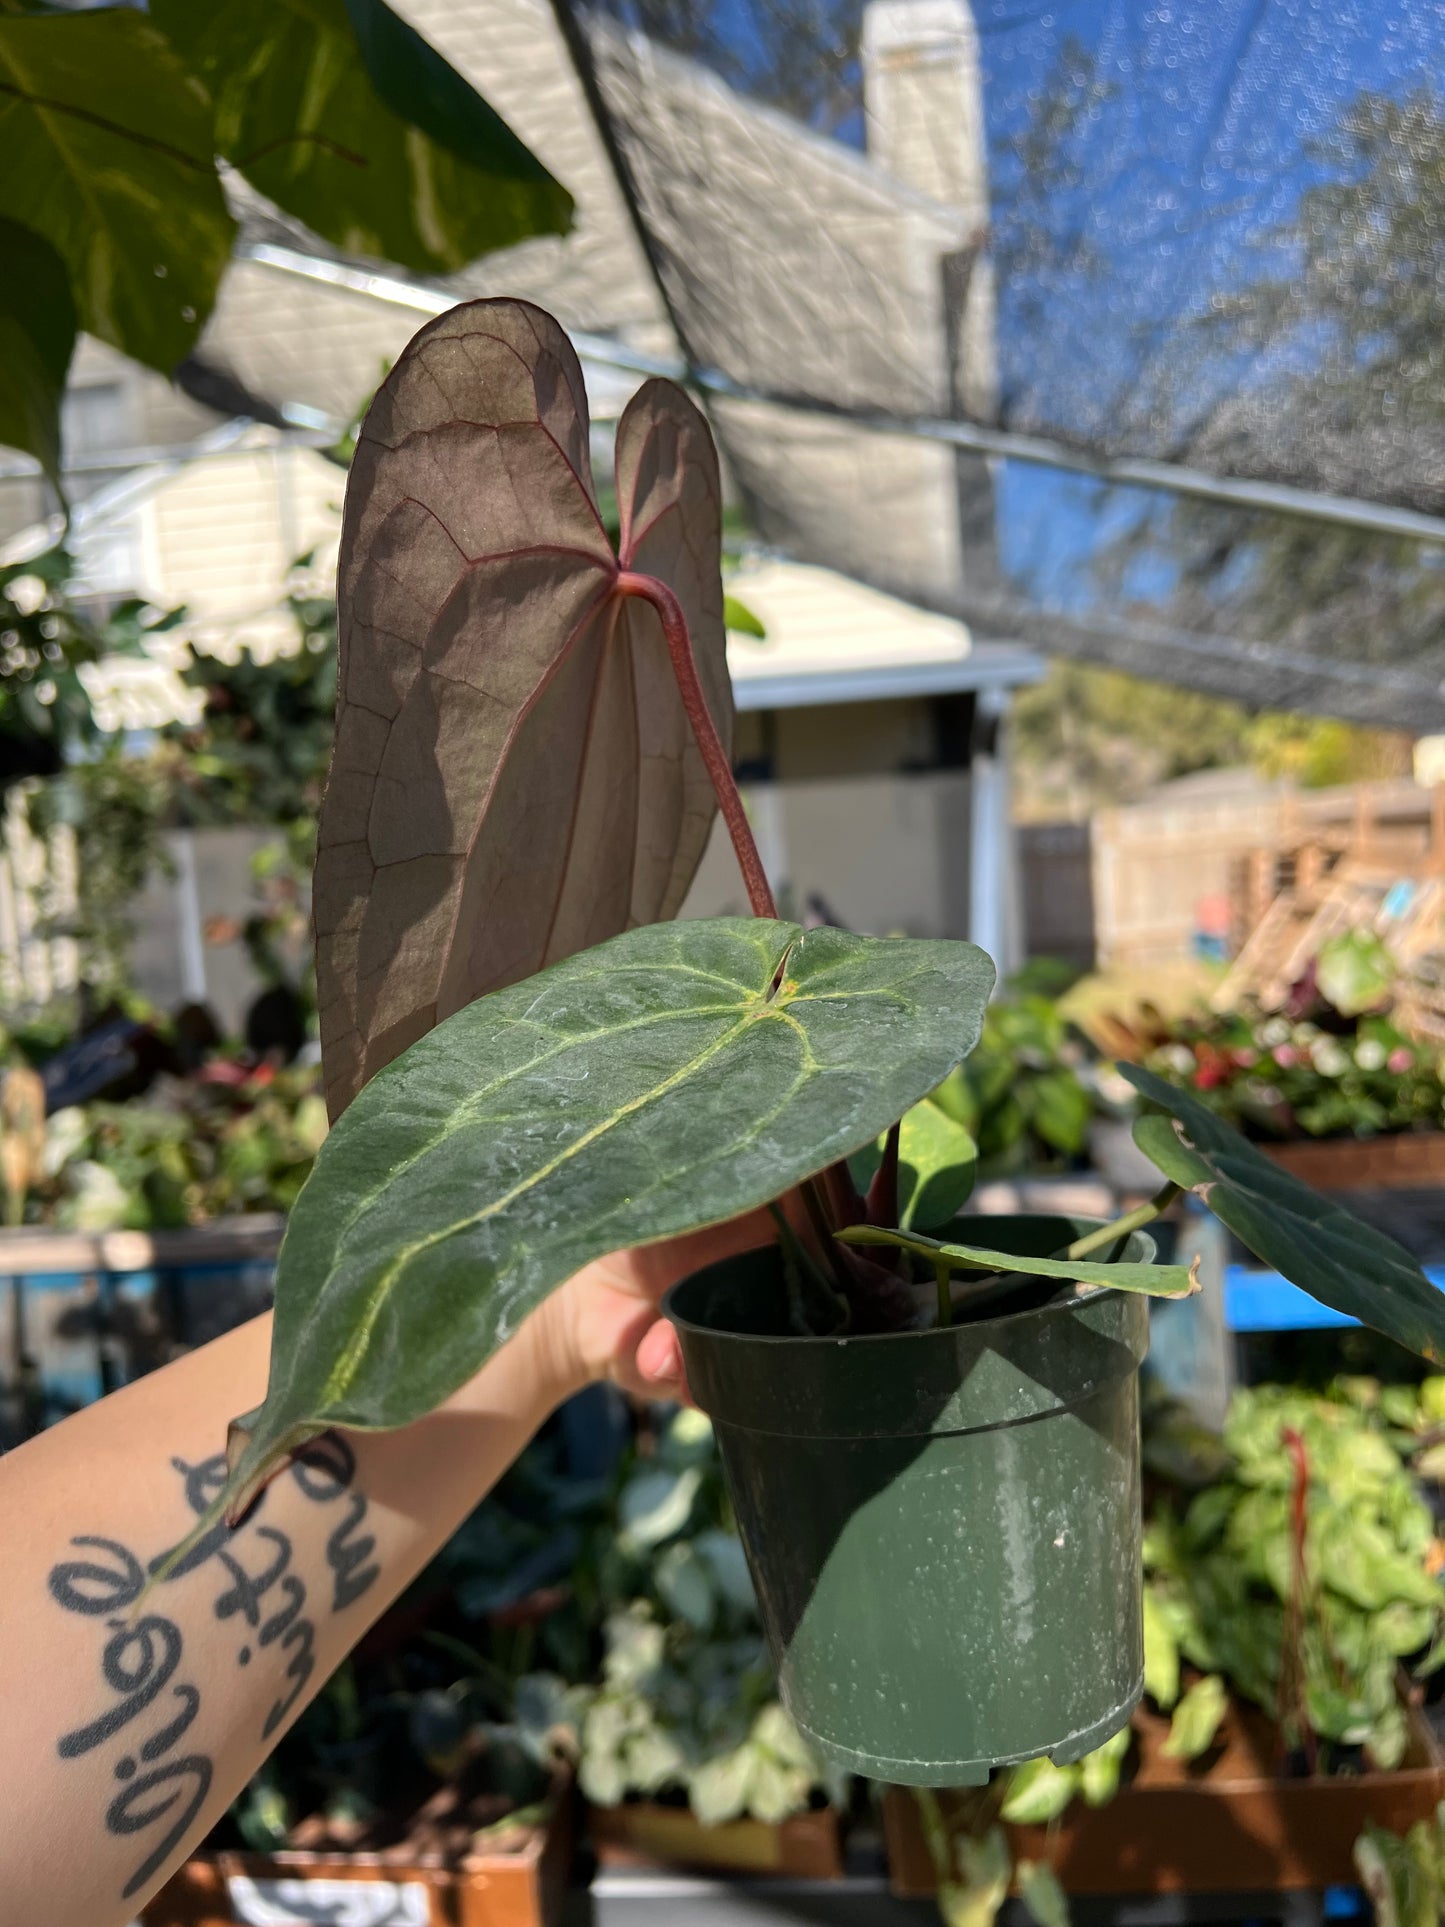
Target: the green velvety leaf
(1158, 1281)
(1038, 1791)
(1196, 1719)
(739, 619)
(654, 1084)
(37, 337)
(1042, 1895)
(1312, 1241)
(108, 153)
(343, 115)
(1158, 1138)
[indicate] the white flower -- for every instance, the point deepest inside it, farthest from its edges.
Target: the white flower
(1329, 1058)
(1276, 1031)
(1370, 1054)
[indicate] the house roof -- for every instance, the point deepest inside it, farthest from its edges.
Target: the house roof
(833, 640)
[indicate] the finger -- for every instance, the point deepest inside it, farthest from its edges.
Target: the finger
(659, 1355)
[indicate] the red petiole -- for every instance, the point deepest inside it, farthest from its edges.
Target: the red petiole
(843, 1206)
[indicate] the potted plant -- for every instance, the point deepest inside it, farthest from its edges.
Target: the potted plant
(415, 1804)
(531, 739)
(684, 1753)
(1333, 1084)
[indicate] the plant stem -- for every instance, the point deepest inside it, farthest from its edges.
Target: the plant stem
(647, 588)
(945, 1293)
(881, 1204)
(1121, 1227)
(820, 1221)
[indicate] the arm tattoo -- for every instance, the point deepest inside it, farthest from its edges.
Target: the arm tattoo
(161, 1784)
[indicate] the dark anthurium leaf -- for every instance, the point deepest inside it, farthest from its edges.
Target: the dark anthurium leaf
(674, 1077)
(1314, 1242)
(514, 776)
(37, 337)
(343, 115)
(106, 150)
(1157, 1281)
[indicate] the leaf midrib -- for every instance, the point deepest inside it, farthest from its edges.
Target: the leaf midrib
(344, 1371)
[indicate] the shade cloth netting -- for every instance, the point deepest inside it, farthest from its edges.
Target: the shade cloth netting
(1208, 234)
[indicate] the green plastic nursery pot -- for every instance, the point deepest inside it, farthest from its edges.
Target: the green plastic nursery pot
(943, 1526)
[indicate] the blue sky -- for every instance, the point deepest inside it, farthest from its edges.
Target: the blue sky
(1201, 151)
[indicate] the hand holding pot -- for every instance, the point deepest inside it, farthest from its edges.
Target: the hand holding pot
(606, 1322)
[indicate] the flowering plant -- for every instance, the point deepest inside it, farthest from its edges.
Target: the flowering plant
(1274, 1078)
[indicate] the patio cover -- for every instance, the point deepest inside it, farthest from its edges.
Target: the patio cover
(1114, 325)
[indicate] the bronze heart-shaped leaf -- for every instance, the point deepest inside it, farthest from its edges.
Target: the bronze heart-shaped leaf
(514, 777)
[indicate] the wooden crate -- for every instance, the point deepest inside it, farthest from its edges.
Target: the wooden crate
(806, 1846)
(518, 1882)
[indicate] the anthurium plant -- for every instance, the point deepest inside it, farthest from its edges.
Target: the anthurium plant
(526, 1063)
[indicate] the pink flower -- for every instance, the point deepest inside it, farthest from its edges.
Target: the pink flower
(1400, 1060)
(1284, 1055)
(1246, 1058)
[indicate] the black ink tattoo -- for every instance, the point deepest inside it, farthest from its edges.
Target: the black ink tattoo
(137, 1664)
(142, 1656)
(324, 1470)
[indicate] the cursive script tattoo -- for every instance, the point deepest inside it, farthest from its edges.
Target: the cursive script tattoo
(138, 1662)
(142, 1658)
(324, 1471)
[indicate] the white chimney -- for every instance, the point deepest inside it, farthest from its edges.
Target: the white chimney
(923, 100)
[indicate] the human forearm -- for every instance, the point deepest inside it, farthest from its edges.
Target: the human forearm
(129, 1724)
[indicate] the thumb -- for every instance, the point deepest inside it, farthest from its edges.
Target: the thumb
(659, 1361)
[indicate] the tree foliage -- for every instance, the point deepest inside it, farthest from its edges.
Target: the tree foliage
(113, 122)
(1337, 333)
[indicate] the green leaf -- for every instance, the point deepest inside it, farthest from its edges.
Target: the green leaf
(685, 1586)
(1158, 1281)
(984, 1868)
(1099, 1771)
(1041, 1893)
(1059, 1108)
(109, 154)
(1161, 1653)
(937, 1164)
(739, 619)
(343, 115)
(1401, 1877)
(718, 1789)
(1196, 1719)
(1325, 1250)
(1158, 1138)
(655, 1506)
(1355, 972)
(37, 337)
(1038, 1791)
(670, 1078)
